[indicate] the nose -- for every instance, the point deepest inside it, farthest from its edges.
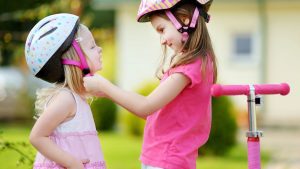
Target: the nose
(99, 49)
(163, 41)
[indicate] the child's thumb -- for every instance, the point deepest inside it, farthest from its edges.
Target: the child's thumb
(84, 161)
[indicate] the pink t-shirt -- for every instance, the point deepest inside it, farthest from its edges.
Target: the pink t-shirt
(174, 133)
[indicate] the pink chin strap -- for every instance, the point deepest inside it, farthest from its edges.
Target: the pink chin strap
(82, 64)
(184, 29)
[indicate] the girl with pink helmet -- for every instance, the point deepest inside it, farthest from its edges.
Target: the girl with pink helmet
(60, 50)
(178, 111)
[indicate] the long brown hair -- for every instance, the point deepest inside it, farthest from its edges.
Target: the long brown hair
(198, 45)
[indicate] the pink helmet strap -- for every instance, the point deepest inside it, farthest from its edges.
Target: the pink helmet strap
(184, 29)
(82, 64)
(173, 20)
(194, 19)
(71, 62)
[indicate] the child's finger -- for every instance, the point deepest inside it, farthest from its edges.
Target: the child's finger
(84, 161)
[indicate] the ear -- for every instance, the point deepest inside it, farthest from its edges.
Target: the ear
(186, 21)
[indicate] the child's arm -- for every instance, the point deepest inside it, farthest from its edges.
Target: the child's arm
(140, 105)
(60, 107)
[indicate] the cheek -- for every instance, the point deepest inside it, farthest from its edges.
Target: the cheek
(95, 62)
(178, 36)
(89, 62)
(174, 37)
(168, 38)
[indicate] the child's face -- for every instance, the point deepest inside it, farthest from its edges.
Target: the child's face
(93, 52)
(169, 34)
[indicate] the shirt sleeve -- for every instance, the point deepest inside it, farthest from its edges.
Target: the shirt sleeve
(191, 70)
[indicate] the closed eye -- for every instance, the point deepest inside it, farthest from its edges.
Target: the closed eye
(93, 45)
(159, 29)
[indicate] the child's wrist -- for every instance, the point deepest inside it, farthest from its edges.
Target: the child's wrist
(69, 161)
(104, 84)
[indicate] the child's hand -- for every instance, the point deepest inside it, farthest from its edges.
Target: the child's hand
(79, 164)
(85, 161)
(93, 84)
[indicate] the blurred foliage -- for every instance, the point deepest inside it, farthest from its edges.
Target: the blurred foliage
(22, 148)
(224, 128)
(25, 108)
(105, 113)
(17, 104)
(105, 39)
(135, 125)
(104, 110)
(103, 19)
(9, 6)
(19, 17)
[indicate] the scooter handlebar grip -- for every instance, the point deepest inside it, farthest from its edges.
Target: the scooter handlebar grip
(282, 89)
(220, 90)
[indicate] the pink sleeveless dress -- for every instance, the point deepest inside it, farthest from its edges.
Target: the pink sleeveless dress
(77, 136)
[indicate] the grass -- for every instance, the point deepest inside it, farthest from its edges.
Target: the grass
(121, 152)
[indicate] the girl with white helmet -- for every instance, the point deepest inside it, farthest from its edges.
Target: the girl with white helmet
(61, 51)
(178, 111)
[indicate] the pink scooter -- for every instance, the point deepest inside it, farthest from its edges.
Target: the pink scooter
(252, 92)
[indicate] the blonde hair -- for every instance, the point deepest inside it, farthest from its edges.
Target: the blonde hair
(198, 44)
(73, 80)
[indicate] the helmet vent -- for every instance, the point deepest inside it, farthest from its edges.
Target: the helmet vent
(48, 32)
(30, 41)
(46, 23)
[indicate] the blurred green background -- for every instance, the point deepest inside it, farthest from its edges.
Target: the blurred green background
(120, 132)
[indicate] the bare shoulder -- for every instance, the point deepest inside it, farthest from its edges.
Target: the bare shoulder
(63, 96)
(59, 108)
(62, 102)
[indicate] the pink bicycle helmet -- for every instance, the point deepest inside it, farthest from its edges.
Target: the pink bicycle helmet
(46, 43)
(147, 7)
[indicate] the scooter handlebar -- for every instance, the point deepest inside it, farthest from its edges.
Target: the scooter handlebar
(220, 90)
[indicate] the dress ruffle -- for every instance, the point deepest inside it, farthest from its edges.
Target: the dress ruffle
(52, 165)
(82, 145)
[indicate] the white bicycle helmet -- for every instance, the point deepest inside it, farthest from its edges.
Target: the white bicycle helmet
(46, 43)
